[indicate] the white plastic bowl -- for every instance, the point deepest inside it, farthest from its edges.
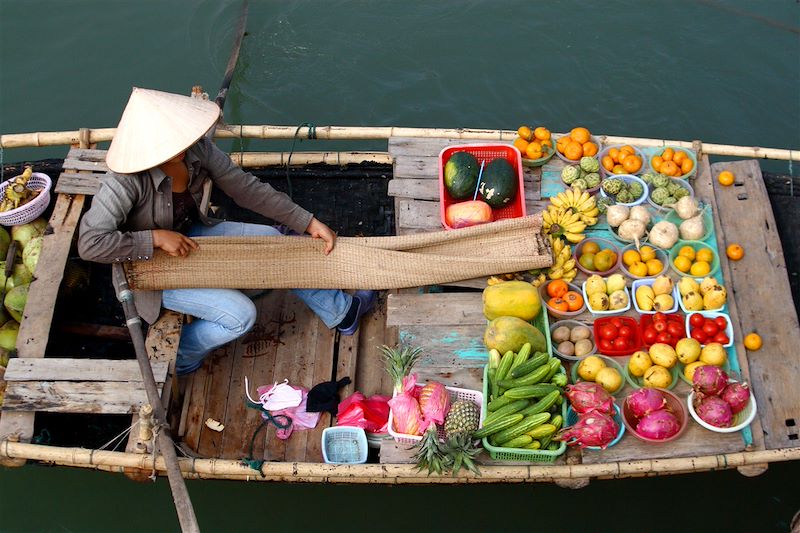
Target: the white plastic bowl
(688, 311)
(683, 183)
(741, 420)
(627, 178)
(609, 312)
(712, 314)
(649, 282)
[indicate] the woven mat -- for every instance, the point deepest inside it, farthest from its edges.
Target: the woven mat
(355, 263)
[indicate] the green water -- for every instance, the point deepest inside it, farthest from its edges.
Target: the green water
(723, 72)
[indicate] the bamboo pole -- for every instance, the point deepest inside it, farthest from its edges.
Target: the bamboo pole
(390, 473)
(266, 159)
(19, 140)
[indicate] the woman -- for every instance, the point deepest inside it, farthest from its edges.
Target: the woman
(161, 161)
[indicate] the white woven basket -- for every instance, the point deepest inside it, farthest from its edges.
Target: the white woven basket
(34, 208)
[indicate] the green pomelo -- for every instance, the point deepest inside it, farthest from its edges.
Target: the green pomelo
(30, 254)
(8, 335)
(23, 233)
(15, 301)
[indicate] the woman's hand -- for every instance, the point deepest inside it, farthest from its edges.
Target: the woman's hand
(318, 230)
(174, 243)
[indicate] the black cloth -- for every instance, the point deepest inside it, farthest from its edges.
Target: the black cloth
(325, 396)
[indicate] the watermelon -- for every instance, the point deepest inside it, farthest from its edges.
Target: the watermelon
(461, 175)
(499, 183)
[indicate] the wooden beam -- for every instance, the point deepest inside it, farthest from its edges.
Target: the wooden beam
(100, 397)
(52, 369)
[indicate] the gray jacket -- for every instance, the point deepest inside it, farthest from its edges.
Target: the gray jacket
(118, 225)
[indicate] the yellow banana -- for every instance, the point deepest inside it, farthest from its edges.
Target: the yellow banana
(574, 238)
(569, 264)
(555, 273)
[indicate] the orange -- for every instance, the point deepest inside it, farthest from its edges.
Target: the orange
(647, 253)
(607, 162)
(618, 169)
(687, 252)
(630, 257)
(632, 164)
(521, 144)
(525, 133)
(557, 288)
(574, 300)
(638, 269)
(700, 269)
(628, 149)
(704, 254)
(589, 149)
(541, 133)
(667, 154)
(580, 135)
(590, 247)
(654, 266)
(669, 168)
(682, 263)
(656, 163)
(573, 150)
(547, 142)
(679, 156)
(562, 142)
(752, 341)
(735, 252)
(614, 153)
(725, 178)
(686, 166)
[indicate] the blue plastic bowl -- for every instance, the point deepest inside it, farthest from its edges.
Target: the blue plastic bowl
(572, 418)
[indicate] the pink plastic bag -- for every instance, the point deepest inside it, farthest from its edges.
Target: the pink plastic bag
(301, 419)
(371, 414)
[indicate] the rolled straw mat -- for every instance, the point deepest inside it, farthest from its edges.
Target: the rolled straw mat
(281, 262)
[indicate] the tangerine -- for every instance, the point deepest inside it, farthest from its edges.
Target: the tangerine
(679, 156)
(541, 133)
(688, 252)
(700, 269)
(667, 154)
(589, 149)
(687, 166)
(573, 150)
(669, 168)
(638, 269)
(628, 149)
(607, 162)
(547, 142)
(654, 266)
(562, 142)
(704, 254)
(521, 144)
(525, 133)
(735, 252)
(682, 263)
(533, 149)
(630, 257)
(591, 247)
(580, 134)
(632, 164)
(725, 178)
(656, 163)
(614, 153)
(752, 341)
(647, 253)
(618, 169)
(622, 157)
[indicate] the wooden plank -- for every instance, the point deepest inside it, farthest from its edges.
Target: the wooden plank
(52, 369)
(431, 146)
(86, 154)
(371, 376)
(71, 183)
(92, 166)
(198, 394)
(323, 371)
(774, 373)
(99, 397)
(464, 308)
(220, 365)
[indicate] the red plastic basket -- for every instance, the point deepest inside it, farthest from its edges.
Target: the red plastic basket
(627, 321)
(484, 153)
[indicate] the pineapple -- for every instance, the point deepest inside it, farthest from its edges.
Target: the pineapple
(461, 450)
(462, 419)
(430, 453)
(399, 362)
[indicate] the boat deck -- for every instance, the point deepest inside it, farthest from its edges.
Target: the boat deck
(289, 342)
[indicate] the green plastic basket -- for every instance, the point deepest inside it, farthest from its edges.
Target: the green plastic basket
(517, 454)
(542, 323)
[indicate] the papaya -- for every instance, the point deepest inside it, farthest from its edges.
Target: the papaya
(511, 298)
(506, 333)
(464, 214)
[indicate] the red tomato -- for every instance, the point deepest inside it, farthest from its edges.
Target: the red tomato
(659, 317)
(697, 320)
(675, 329)
(620, 343)
(710, 328)
(664, 337)
(721, 338)
(699, 335)
(649, 336)
(626, 332)
(608, 331)
(660, 325)
(617, 322)
(605, 345)
(721, 323)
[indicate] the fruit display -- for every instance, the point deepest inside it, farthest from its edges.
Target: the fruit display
(511, 298)
(597, 256)
(716, 400)
(707, 295)
(572, 339)
(696, 262)
(601, 370)
(621, 160)
(666, 328)
(563, 298)
(563, 267)
(578, 143)
(672, 162)
(617, 335)
(628, 224)
(654, 415)
(654, 368)
(584, 175)
(523, 398)
(710, 328)
(665, 191)
(643, 262)
(594, 408)
(606, 294)
(17, 192)
(534, 143)
(628, 190)
(569, 213)
(654, 295)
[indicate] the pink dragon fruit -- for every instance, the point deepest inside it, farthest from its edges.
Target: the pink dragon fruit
(709, 379)
(715, 411)
(658, 425)
(592, 429)
(737, 395)
(586, 397)
(645, 401)
(434, 402)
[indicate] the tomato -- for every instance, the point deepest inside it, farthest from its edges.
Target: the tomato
(710, 328)
(649, 335)
(574, 300)
(675, 329)
(721, 323)
(558, 304)
(660, 326)
(626, 332)
(621, 343)
(617, 322)
(664, 338)
(699, 335)
(609, 331)
(721, 338)
(659, 317)
(697, 320)
(557, 288)
(605, 345)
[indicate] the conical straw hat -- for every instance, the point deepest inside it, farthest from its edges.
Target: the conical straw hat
(155, 127)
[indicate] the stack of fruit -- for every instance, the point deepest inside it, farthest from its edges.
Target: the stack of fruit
(694, 262)
(606, 294)
(642, 262)
(575, 341)
(583, 176)
(594, 258)
(666, 328)
(593, 368)
(562, 299)
(655, 296)
(578, 143)
(534, 143)
(653, 366)
(622, 160)
(672, 162)
(663, 190)
(623, 192)
(693, 356)
(706, 329)
(569, 213)
(563, 262)
(708, 295)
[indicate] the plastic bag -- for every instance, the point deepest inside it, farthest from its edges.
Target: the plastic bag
(370, 414)
(301, 419)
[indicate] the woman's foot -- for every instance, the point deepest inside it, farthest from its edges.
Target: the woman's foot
(363, 301)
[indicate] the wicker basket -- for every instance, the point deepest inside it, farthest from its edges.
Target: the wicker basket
(34, 208)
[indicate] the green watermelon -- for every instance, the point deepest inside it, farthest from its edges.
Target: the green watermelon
(499, 183)
(461, 175)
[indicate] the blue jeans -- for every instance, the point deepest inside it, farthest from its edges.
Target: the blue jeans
(222, 315)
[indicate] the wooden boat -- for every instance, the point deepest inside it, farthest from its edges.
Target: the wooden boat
(289, 342)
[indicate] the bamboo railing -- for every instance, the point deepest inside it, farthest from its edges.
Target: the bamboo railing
(54, 138)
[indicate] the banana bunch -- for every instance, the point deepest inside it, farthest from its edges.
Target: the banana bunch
(559, 222)
(563, 262)
(17, 193)
(538, 280)
(577, 201)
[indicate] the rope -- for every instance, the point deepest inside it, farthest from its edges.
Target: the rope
(42, 438)
(312, 134)
(268, 418)
(122, 435)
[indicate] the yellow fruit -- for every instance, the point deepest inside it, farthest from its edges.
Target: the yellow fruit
(683, 263)
(512, 298)
(638, 269)
(541, 133)
(657, 377)
(609, 378)
(689, 369)
(688, 350)
(630, 257)
(654, 266)
(590, 247)
(663, 355)
(752, 341)
(639, 363)
(704, 254)
(645, 298)
(595, 284)
(687, 252)
(647, 253)
(525, 133)
(699, 268)
(589, 367)
(713, 353)
(726, 178)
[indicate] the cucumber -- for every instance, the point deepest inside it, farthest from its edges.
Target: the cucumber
(510, 409)
(499, 402)
(491, 375)
(535, 445)
(494, 359)
(553, 446)
(542, 405)
(521, 356)
(517, 442)
(533, 378)
(555, 366)
(540, 432)
(530, 365)
(520, 428)
(498, 425)
(557, 421)
(531, 391)
(505, 365)
(545, 442)
(559, 380)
